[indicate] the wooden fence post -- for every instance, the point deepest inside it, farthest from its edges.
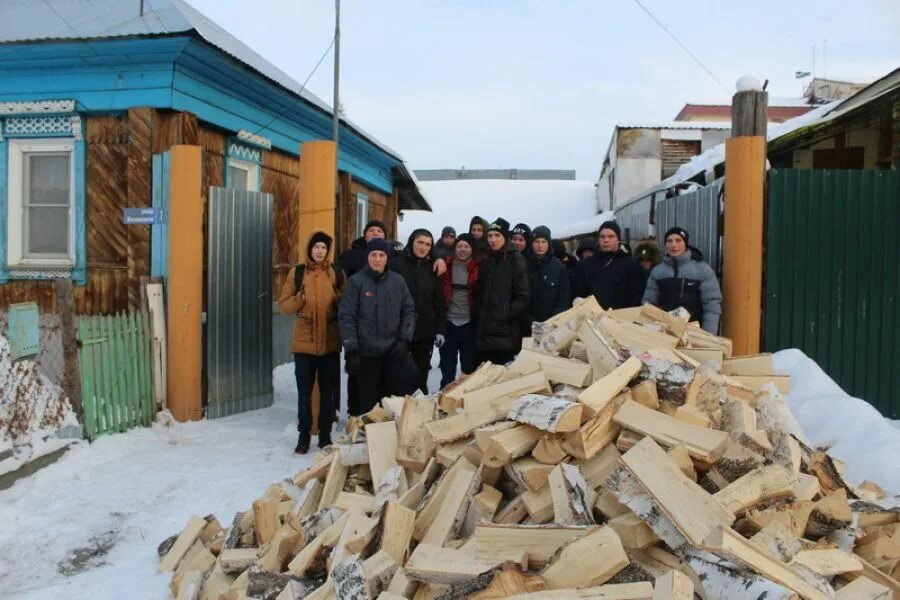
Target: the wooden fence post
(742, 265)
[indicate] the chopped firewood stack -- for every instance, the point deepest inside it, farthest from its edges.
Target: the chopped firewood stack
(623, 455)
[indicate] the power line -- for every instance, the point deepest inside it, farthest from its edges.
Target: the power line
(302, 87)
(683, 47)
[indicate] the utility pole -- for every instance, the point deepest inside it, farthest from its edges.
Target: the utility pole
(335, 127)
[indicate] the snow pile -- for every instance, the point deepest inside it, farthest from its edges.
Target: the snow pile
(567, 207)
(32, 410)
(716, 155)
(853, 430)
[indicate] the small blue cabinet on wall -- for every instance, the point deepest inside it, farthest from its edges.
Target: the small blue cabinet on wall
(24, 330)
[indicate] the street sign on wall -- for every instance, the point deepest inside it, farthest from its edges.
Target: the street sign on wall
(144, 216)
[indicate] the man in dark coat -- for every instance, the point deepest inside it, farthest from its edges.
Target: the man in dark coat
(444, 246)
(377, 319)
(478, 229)
(427, 290)
(354, 259)
(549, 279)
(612, 275)
(501, 297)
(520, 238)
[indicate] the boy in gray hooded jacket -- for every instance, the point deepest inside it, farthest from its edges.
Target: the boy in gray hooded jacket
(683, 279)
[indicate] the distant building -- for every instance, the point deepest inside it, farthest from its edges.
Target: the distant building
(463, 173)
(821, 90)
(641, 155)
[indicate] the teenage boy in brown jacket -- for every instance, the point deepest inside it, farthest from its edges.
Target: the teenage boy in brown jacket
(313, 295)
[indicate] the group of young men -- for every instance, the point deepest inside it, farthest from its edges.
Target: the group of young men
(473, 296)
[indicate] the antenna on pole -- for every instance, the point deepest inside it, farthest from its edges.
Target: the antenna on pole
(335, 125)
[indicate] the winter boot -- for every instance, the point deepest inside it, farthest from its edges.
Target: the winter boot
(302, 443)
(324, 439)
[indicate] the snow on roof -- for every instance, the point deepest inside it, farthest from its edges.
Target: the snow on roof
(675, 125)
(781, 101)
(567, 207)
(716, 155)
(30, 20)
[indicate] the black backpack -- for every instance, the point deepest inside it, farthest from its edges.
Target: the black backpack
(301, 270)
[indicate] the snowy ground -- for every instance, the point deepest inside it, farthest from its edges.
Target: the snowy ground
(89, 525)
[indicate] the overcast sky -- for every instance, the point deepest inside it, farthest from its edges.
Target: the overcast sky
(540, 84)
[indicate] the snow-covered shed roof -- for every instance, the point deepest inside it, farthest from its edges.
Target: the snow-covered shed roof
(568, 208)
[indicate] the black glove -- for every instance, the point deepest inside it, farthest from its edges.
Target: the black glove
(401, 347)
(353, 365)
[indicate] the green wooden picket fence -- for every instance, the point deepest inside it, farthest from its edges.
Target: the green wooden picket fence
(116, 372)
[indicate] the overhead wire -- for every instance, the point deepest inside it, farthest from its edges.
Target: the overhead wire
(683, 47)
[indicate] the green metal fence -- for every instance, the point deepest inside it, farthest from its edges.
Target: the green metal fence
(116, 372)
(832, 278)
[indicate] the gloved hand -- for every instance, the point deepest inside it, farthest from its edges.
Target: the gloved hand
(439, 340)
(353, 364)
(401, 347)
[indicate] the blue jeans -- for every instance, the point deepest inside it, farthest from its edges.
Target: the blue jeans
(459, 342)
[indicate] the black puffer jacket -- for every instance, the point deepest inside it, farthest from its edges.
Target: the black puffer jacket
(352, 260)
(501, 299)
(689, 282)
(549, 287)
(375, 311)
(614, 278)
(426, 288)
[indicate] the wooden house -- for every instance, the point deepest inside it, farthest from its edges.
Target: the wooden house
(94, 96)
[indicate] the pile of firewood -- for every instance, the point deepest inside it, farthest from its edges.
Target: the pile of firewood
(622, 455)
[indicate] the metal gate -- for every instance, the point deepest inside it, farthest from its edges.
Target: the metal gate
(239, 303)
(832, 278)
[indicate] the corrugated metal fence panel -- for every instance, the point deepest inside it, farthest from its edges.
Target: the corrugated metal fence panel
(635, 216)
(698, 213)
(832, 278)
(239, 303)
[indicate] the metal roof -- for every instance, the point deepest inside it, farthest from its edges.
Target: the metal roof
(45, 20)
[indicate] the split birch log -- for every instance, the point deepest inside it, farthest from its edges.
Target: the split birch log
(381, 440)
(572, 499)
(182, 544)
(556, 368)
(674, 585)
(433, 564)
(602, 357)
(353, 454)
(547, 413)
(671, 374)
(601, 392)
(414, 444)
(529, 473)
(349, 580)
(549, 449)
(619, 591)
(726, 543)
(703, 444)
(756, 487)
(592, 559)
(510, 444)
(540, 542)
(691, 509)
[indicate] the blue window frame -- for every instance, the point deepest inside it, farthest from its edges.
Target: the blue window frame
(42, 192)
